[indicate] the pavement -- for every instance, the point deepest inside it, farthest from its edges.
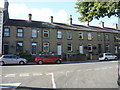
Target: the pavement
(86, 61)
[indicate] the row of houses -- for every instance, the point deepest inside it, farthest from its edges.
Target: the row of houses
(70, 41)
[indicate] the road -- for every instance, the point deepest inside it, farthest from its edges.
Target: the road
(72, 75)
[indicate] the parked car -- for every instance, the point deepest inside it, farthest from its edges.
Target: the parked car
(12, 59)
(107, 56)
(47, 59)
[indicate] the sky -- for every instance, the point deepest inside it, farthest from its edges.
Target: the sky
(41, 10)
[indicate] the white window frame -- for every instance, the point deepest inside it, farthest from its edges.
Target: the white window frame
(81, 50)
(59, 34)
(81, 35)
(19, 33)
(89, 36)
(34, 44)
(59, 52)
(46, 45)
(7, 33)
(45, 32)
(34, 32)
(90, 49)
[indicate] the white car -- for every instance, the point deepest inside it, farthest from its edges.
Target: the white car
(12, 59)
(107, 56)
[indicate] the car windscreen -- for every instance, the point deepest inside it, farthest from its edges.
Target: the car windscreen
(101, 55)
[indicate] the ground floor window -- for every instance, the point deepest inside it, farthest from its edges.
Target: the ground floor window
(34, 48)
(90, 48)
(19, 47)
(69, 47)
(107, 48)
(45, 47)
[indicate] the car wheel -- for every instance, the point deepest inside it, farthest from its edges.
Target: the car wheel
(1, 63)
(106, 59)
(21, 62)
(40, 62)
(58, 61)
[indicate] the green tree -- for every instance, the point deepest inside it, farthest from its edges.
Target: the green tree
(96, 10)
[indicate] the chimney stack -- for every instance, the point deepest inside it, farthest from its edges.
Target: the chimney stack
(30, 17)
(86, 23)
(70, 22)
(115, 26)
(101, 24)
(51, 19)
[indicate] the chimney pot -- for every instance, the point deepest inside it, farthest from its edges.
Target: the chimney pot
(51, 19)
(115, 26)
(86, 23)
(30, 17)
(70, 22)
(101, 24)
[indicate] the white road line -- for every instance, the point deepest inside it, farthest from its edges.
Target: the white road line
(10, 75)
(53, 80)
(24, 75)
(0, 75)
(37, 74)
(9, 85)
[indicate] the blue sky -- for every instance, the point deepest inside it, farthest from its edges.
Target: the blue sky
(41, 10)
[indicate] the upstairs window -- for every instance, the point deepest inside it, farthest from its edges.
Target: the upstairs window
(80, 35)
(6, 32)
(69, 35)
(34, 33)
(89, 36)
(99, 37)
(46, 34)
(106, 37)
(59, 34)
(19, 32)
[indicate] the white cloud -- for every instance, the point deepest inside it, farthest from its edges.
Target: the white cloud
(21, 11)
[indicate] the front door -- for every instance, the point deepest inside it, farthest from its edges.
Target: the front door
(59, 50)
(5, 49)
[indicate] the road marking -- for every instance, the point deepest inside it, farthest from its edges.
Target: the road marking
(10, 75)
(10, 85)
(37, 74)
(79, 70)
(53, 80)
(24, 75)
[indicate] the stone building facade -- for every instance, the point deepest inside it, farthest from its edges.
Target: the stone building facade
(70, 41)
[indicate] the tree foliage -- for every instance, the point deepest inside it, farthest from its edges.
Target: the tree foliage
(95, 10)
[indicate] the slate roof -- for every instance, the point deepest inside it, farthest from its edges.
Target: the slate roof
(41, 24)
